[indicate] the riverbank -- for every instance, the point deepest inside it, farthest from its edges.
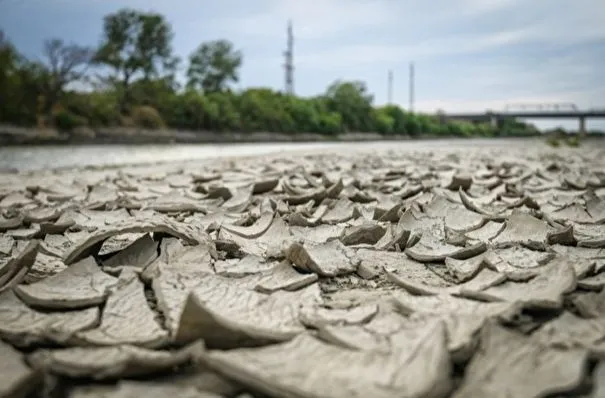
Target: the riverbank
(19, 136)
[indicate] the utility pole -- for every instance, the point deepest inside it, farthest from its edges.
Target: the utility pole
(289, 64)
(411, 87)
(390, 88)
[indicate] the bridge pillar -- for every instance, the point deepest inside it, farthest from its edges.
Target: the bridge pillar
(582, 129)
(493, 121)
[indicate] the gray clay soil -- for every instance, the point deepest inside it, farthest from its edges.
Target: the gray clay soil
(376, 274)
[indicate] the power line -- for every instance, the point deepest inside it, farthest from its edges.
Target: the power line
(289, 64)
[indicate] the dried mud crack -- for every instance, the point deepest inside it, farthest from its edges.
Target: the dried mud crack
(374, 274)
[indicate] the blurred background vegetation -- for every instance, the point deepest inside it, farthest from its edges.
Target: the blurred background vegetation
(130, 80)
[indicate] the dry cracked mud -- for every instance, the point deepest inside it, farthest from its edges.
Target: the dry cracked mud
(385, 273)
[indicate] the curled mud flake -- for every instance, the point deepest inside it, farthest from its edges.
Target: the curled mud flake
(381, 334)
(228, 315)
(283, 277)
(462, 318)
(563, 236)
(319, 316)
(237, 268)
(7, 224)
(126, 318)
(42, 214)
(421, 371)
(15, 199)
(518, 263)
(573, 212)
(319, 234)
(13, 270)
(173, 254)
(328, 259)
(431, 249)
(595, 206)
(16, 378)
(426, 282)
(44, 267)
(392, 214)
(571, 332)
(394, 238)
(366, 233)
(25, 233)
(590, 305)
(240, 199)
(102, 194)
(356, 195)
(102, 363)
(270, 244)
(545, 291)
(488, 206)
(523, 229)
(171, 286)
(265, 185)
(342, 211)
(132, 388)
(155, 223)
(6, 245)
(456, 216)
(118, 243)
(253, 231)
(81, 285)
(302, 220)
(175, 202)
(512, 365)
(458, 181)
(595, 282)
(23, 327)
(214, 221)
(463, 270)
(595, 254)
(139, 254)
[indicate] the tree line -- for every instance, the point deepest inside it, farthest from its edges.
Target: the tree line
(131, 81)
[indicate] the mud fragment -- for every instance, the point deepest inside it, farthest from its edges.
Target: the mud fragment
(23, 327)
(328, 259)
(101, 363)
(512, 365)
(80, 285)
(226, 315)
(16, 378)
(421, 371)
(126, 318)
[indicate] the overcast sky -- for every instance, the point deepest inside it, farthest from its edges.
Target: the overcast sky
(470, 55)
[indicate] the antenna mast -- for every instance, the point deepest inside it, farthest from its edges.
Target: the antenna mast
(289, 64)
(390, 88)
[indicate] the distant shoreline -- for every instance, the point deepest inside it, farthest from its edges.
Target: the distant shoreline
(20, 136)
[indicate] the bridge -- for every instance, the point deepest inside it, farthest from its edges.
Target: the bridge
(532, 111)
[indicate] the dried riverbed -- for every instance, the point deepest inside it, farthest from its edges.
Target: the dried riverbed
(374, 274)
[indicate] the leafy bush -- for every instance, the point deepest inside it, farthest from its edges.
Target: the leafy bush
(573, 141)
(146, 117)
(553, 141)
(67, 121)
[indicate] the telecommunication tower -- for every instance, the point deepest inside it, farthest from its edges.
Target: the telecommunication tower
(289, 64)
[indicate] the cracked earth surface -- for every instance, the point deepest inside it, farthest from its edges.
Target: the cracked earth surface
(375, 274)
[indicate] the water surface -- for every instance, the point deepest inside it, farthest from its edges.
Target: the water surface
(45, 157)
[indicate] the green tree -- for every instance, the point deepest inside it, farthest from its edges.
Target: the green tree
(135, 44)
(213, 65)
(353, 102)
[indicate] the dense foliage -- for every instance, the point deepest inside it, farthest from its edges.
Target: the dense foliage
(130, 80)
